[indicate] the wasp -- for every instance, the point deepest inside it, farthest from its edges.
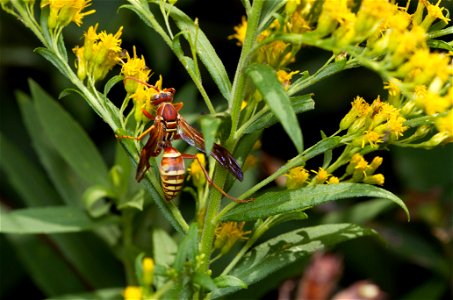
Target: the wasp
(169, 125)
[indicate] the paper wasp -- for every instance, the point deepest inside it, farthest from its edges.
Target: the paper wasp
(169, 125)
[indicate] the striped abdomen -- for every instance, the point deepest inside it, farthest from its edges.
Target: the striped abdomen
(172, 172)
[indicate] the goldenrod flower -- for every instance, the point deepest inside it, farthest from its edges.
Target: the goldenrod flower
(321, 175)
(240, 31)
(360, 108)
(134, 68)
(63, 12)
(132, 293)
(196, 171)
(434, 12)
(285, 77)
(296, 177)
(445, 124)
(374, 179)
(227, 234)
(100, 53)
(333, 180)
(142, 102)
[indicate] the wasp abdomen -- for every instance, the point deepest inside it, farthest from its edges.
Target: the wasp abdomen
(172, 172)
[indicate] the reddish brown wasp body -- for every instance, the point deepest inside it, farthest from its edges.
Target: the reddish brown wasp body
(172, 171)
(169, 125)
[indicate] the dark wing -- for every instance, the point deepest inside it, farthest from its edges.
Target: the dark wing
(152, 148)
(195, 138)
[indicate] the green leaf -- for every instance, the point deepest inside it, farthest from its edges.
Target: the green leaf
(322, 146)
(52, 58)
(359, 213)
(45, 266)
(288, 248)
(187, 61)
(67, 183)
(111, 83)
(299, 104)
(27, 179)
(164, 251)
(137, 201)
(229, 281)
(187, 248)
(96, 200)
(209, 127)
(103, 294)
(306, 81)
(204, 280)
(51, 219)
(273, 203)
(265, 80)
(69, 139)
(205, 50)
(439, 44)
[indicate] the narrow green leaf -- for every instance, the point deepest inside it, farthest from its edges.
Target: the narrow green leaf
(360, 213)
(136, 200)
(205, 50)
(69, 139)
(51, 219)
(265, 80)
(209, 127)
(96, 202)
(102, 294)
(49, 271)
(204, 280)
(89, 255)
(439, 44)
(164, 247)
(229, 281)
(54, 60)
(288, 248)
(67, 183)
(111, 83)
(273, 203)
(299, 104)
(27, 179)
(187, 248)
(322, 146)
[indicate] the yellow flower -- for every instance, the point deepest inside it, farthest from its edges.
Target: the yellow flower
(285, 77)
(333, 180)
(142, 102)
(445, 124)
(196, 171)
(374, 179)
(371, 138)
(359, 109)
(63, 12)
(240, 32)
(134, 68)
(148, 270)
(100, 53)
(132, 293)
(227, 234)
(321, 175)
(434, 12)
(296, 177)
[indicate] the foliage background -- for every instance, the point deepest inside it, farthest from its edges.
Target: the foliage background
(405, 264)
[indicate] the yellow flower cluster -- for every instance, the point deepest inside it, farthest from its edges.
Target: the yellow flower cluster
(359, 170)
(298, 177)
(99, 53)
(227, 234)
(373, 124)
(63, 12)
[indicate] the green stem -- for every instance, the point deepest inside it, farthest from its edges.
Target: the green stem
(210, 224)
(237, 91)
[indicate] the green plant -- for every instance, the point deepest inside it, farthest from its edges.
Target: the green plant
(416, 112)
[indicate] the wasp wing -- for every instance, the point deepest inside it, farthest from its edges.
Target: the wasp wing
(195, 138)
(152, 148)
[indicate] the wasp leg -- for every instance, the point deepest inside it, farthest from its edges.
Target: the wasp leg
(192, 156)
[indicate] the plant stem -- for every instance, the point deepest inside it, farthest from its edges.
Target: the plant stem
(210, 224)
(239, 77)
